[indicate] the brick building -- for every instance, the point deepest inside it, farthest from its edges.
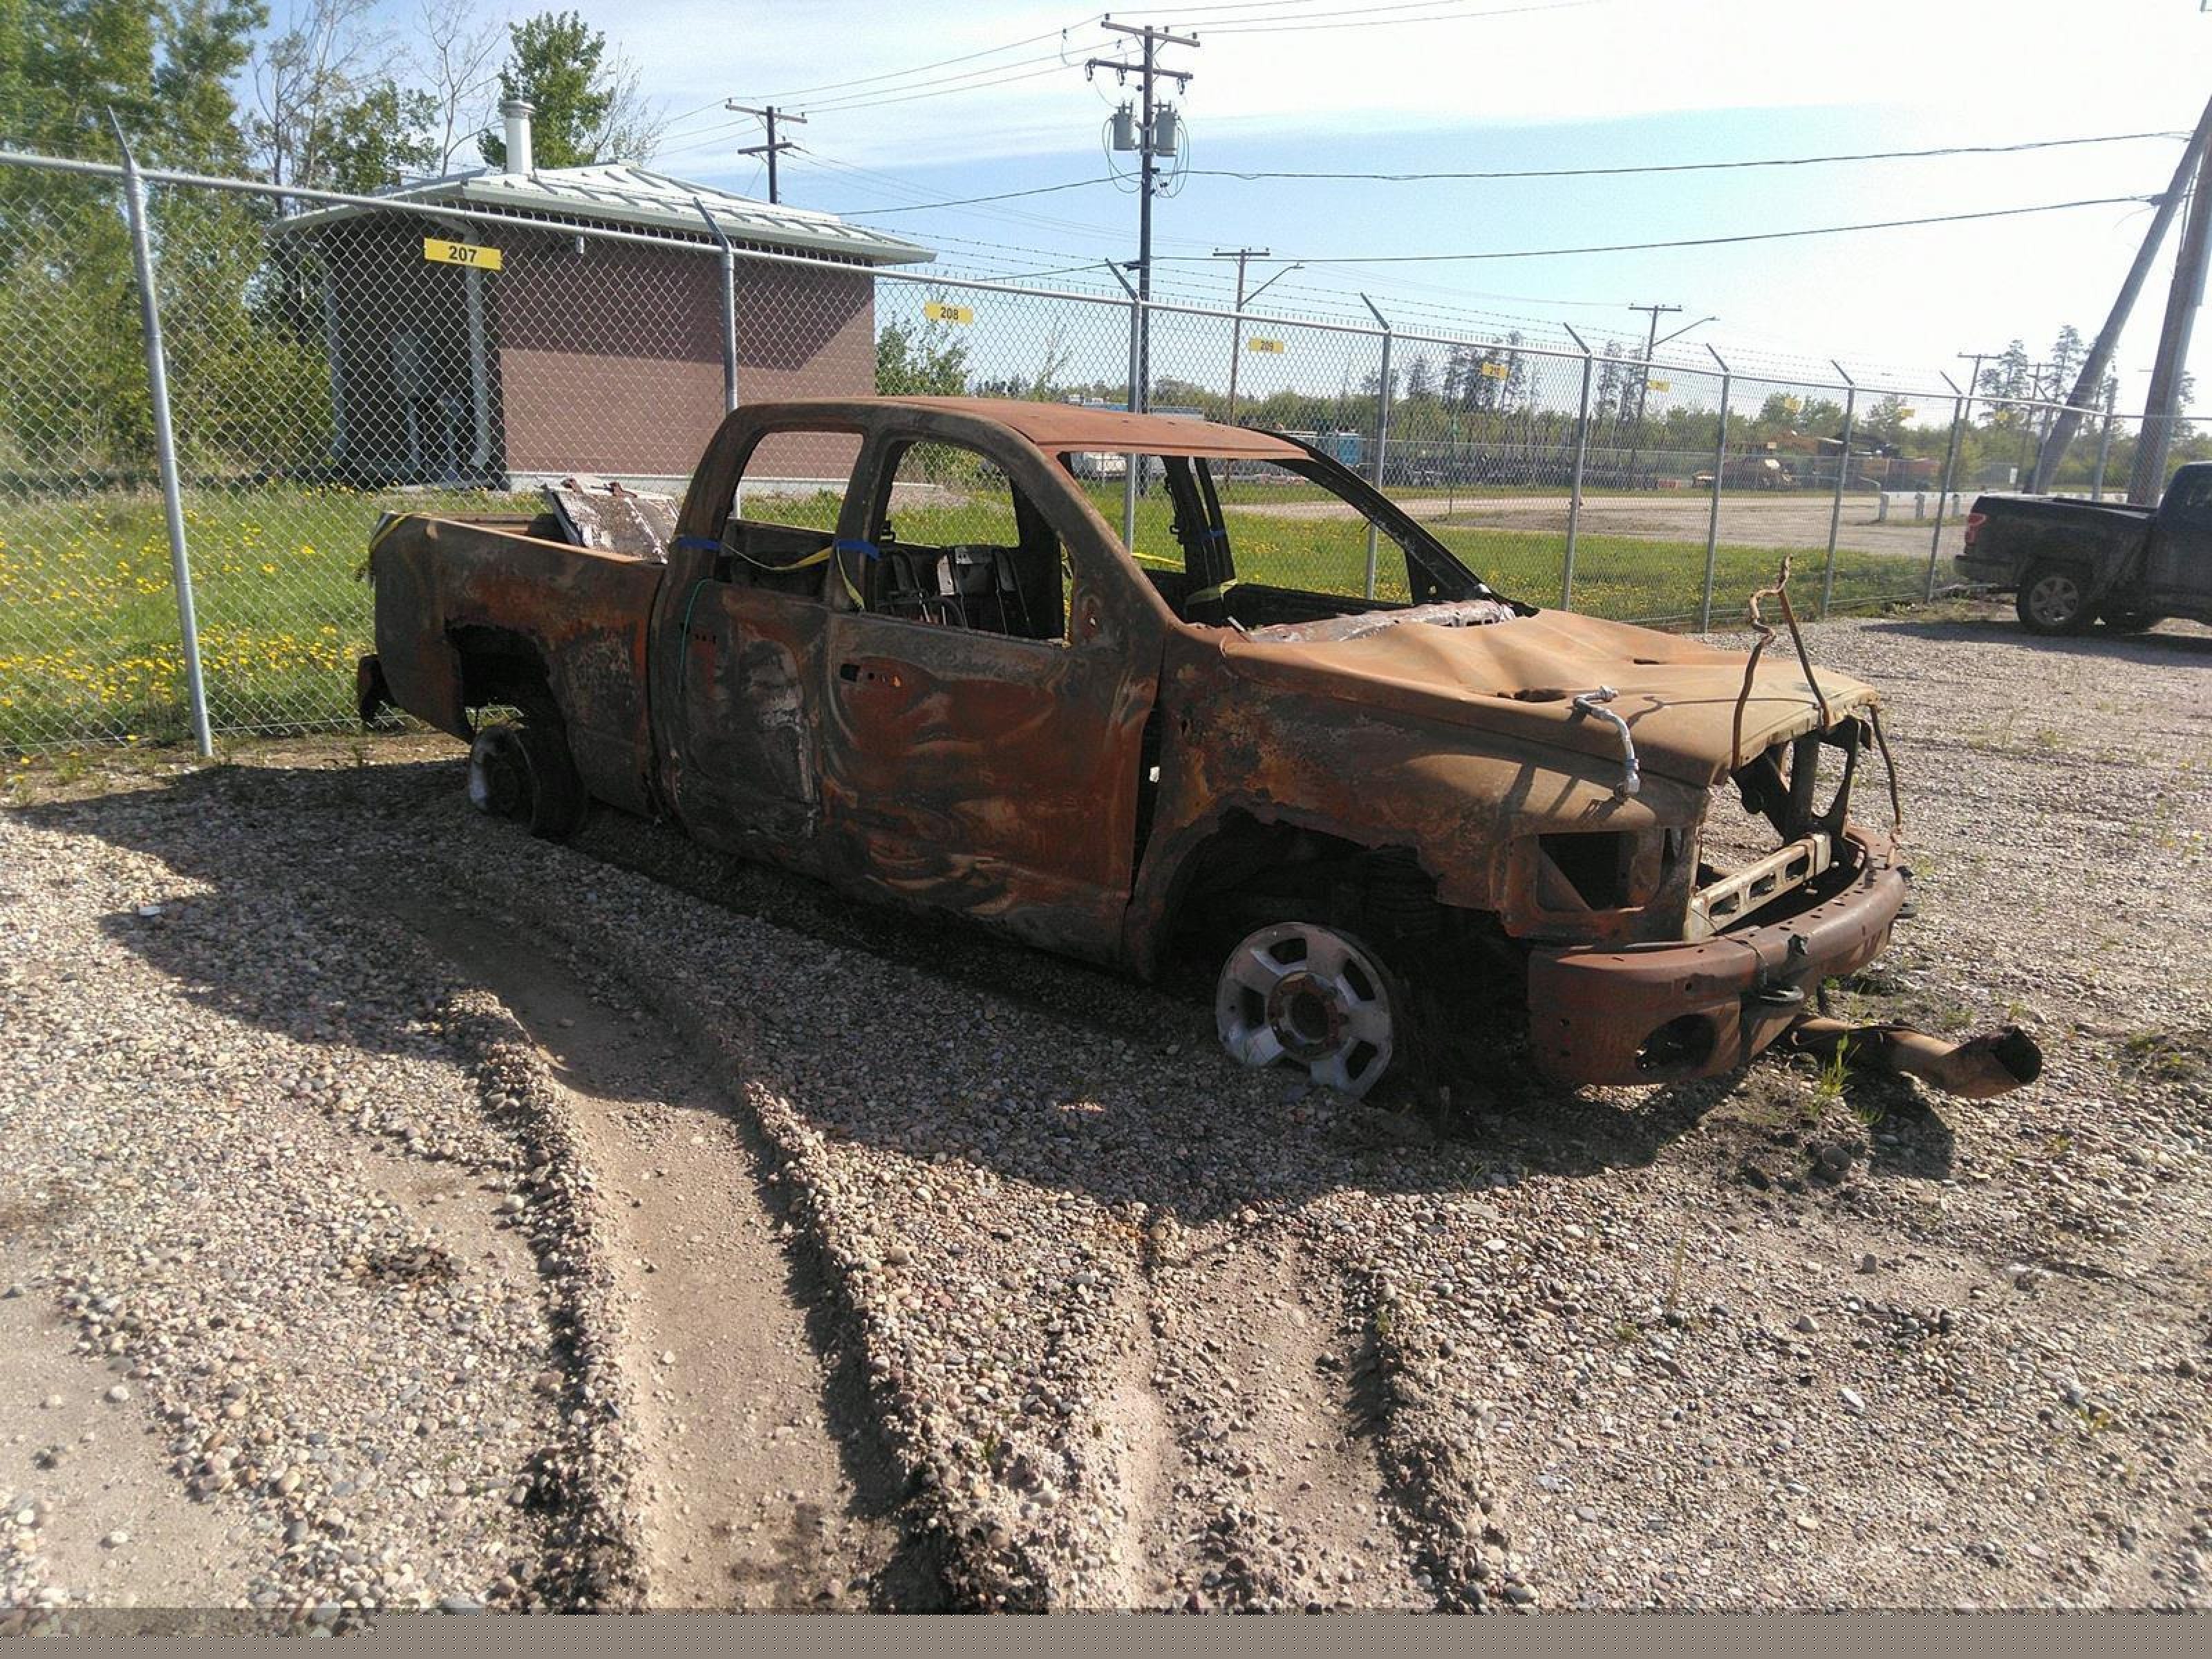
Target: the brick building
(580, 353)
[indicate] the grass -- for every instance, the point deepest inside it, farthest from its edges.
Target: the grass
(89, 649)
(88, 630)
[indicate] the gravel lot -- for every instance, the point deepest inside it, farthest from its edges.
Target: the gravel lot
(397, 1212)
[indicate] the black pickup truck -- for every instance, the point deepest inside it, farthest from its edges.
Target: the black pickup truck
(2070, 564)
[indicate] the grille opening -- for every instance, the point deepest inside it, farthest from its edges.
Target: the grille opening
(1596, 866)
(1731, 836)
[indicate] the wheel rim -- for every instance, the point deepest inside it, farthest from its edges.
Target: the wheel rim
(498, 774)
(2055, 600)
(1304, 995)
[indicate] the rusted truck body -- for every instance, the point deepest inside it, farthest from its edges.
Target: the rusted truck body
(1386, 819)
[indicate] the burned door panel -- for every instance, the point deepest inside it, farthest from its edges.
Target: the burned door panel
(742, 766)
(974, 772)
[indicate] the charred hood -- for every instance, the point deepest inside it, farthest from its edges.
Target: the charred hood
(1519, 675)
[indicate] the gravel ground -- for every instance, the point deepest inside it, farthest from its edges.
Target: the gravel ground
(399, 1213)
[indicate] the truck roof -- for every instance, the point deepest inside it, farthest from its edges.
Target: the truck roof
(1060, 429)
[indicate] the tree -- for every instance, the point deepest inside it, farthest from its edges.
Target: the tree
(2007, 378)
(455, 57)
(589, 106)
(70, 347)
(1884, 419)
(919, 362)
(2067, 352)
(331, 112)
(1610, 398)
(1420, 380)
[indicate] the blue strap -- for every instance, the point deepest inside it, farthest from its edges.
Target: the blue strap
(699, 544)
(853, 544)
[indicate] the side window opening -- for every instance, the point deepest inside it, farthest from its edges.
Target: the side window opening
(1250, 544)
(958, 544)
(783, 511)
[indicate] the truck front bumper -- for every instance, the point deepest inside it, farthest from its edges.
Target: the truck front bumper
(1667, 1011)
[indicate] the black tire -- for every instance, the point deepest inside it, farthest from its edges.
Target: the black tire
(2130, 622)
(2053, 599)
(521, 770)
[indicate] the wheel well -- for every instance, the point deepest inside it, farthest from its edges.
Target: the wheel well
(1466, 979)
(1251, 868)
(501, 668)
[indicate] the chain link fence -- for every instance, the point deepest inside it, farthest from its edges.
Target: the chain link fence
(331, 359)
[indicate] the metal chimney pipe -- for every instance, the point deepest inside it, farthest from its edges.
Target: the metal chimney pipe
(517, 112)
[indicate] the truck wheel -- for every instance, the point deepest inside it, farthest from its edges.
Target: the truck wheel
(2130, 622)
(2052, 601)
(1315, 997)
(521, 771)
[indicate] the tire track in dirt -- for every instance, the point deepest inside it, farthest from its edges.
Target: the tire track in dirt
(1267, 1492)
(752, 1499)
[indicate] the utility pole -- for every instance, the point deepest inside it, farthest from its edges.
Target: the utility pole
(1243, 256)
(770, 115)
(2163, 409)
(1150, 133)
(2099, 360)
(1644, 380)
(1643, 385)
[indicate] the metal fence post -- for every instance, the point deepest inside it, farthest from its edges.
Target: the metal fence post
(1843, 471)
(1960, 404)
(729, 306)
(2105, 442)
(1713, 517)
(1381, 432)
(1575, 482)
(1131, 463)
(165, 442)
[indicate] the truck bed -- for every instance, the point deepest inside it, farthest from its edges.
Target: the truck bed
(578, 616)
(2007, 534)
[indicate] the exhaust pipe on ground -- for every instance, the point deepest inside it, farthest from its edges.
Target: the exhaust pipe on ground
(1980, 1068)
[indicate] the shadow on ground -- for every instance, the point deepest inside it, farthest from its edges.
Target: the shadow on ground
(2170, 643)
(1196, 1138)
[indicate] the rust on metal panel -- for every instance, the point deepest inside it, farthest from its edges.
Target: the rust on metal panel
(741, 764)
(1520, 679)
(1056, 428)
(576, 615)
(1594, 1008)
(1546, 789)
(983, 774)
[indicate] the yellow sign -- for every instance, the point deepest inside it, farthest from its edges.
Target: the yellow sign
(1906, 414)
(460, 253)
(1256, 343)
(937, 311)
(1497, 372)
(1659, 386)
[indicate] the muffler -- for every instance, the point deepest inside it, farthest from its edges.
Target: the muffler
(1980, 1068)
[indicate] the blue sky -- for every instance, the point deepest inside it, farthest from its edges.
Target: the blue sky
(1336, 84)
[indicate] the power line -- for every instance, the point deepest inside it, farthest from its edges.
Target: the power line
(874, 101)
(969, 201)
(1706, 242)
(1689, 166)
(1365, 17)
(942, 63)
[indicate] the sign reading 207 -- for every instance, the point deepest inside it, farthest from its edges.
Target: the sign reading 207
(460, 253)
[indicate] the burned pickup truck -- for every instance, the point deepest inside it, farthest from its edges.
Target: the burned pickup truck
(1406, 822)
